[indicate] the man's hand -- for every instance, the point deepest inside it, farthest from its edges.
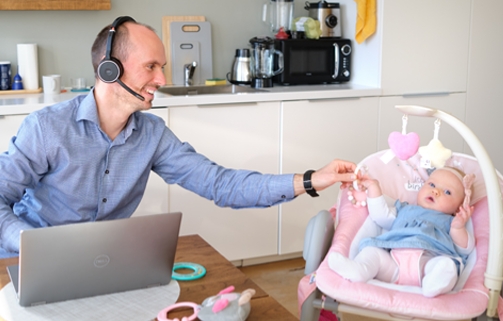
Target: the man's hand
(372, 186)
(334, 172)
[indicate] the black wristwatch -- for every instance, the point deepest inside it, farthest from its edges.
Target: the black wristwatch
(308, 186)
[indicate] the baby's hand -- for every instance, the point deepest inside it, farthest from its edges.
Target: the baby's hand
(371, 185)
(462, 216)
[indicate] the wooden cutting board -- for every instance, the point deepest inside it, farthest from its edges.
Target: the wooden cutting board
(166, 21)
(21, 91)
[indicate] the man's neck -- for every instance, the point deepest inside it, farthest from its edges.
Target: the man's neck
(112, 116)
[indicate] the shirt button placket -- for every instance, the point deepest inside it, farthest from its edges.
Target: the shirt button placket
(104, 199)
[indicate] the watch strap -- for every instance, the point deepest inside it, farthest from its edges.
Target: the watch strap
(308, 186)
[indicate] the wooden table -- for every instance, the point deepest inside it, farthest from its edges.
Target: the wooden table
(220, 274)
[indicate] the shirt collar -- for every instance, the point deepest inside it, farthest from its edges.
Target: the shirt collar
(88, 110)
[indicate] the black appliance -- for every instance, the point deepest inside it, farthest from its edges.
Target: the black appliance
(310, 61)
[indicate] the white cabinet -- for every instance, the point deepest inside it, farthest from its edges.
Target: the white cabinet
(424, 62)
(240, 136)
(9, 125)
(484, 107)
(390, 119)
(314, 133)
(424, 46)
(155, 199)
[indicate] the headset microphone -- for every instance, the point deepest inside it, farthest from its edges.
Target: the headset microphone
(110, 69)
(134, 93)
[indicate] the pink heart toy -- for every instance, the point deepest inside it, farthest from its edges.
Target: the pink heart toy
(404, 146)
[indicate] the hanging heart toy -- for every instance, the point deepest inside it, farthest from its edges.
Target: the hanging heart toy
(404, 145)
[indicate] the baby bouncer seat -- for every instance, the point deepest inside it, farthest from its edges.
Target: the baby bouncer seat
(342, 227)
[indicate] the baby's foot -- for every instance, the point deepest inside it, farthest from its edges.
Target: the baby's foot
(441, 275)
(349, 269)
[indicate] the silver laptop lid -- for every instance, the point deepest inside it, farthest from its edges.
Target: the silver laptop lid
(86, 259)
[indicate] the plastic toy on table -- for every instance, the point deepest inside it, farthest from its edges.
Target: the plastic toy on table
(225, 306)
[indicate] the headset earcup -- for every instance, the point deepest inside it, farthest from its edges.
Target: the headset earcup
(109, 70)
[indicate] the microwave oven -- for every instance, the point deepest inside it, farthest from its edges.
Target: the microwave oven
(314, 61)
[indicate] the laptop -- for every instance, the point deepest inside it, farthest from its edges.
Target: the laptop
(87, 259)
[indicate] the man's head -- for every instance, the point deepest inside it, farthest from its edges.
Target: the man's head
(443, 191)
(119, 45)
(141, 54)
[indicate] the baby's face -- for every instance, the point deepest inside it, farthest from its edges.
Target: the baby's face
(442, 192)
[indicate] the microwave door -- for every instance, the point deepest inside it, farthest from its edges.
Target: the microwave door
(336, 60)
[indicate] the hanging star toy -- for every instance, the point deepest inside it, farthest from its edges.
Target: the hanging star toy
(434, 155)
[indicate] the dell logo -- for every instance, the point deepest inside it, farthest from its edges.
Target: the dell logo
(101, 261)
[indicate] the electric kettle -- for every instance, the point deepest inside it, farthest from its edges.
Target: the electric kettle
(240, 73)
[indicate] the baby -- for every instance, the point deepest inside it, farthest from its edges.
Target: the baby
(426, 244)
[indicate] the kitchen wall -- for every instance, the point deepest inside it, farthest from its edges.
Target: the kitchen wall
(64, 38)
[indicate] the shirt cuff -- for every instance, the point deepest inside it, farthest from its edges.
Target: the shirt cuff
(282, 189)
(11, 236)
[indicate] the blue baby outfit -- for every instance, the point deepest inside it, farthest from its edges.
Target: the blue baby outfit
(418, 228)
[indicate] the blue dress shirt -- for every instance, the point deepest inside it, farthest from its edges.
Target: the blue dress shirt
(62, 168)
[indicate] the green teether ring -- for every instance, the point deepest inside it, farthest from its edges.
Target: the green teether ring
(199, 271)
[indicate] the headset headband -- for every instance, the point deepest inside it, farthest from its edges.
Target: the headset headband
(111, 33)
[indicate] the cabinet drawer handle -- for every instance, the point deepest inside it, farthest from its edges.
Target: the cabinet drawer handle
(225, 104)
(333, 98)
(440, 93)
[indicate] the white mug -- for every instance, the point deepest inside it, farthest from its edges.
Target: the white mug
(51, 84)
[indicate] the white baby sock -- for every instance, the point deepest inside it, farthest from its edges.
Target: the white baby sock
(440, 276)
(370, 263)
(352, 270)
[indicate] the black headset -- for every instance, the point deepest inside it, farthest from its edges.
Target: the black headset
(110, 69)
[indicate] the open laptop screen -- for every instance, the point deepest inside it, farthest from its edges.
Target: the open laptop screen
(86, 259)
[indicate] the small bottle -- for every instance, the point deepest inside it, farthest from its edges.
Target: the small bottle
(18, 83)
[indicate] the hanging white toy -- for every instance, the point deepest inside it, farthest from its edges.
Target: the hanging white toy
(404, 145)
(434, 155)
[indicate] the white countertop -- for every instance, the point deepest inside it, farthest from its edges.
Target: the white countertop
(18, 104)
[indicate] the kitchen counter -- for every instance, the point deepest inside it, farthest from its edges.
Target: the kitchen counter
(27, 103)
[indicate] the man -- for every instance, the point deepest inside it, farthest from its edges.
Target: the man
(89, 158)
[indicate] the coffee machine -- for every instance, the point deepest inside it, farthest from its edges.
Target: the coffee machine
(262, 61)
(329, 16)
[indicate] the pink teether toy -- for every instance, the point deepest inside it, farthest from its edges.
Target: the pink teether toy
(355, 195)
(358, 198)
(163, 314)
